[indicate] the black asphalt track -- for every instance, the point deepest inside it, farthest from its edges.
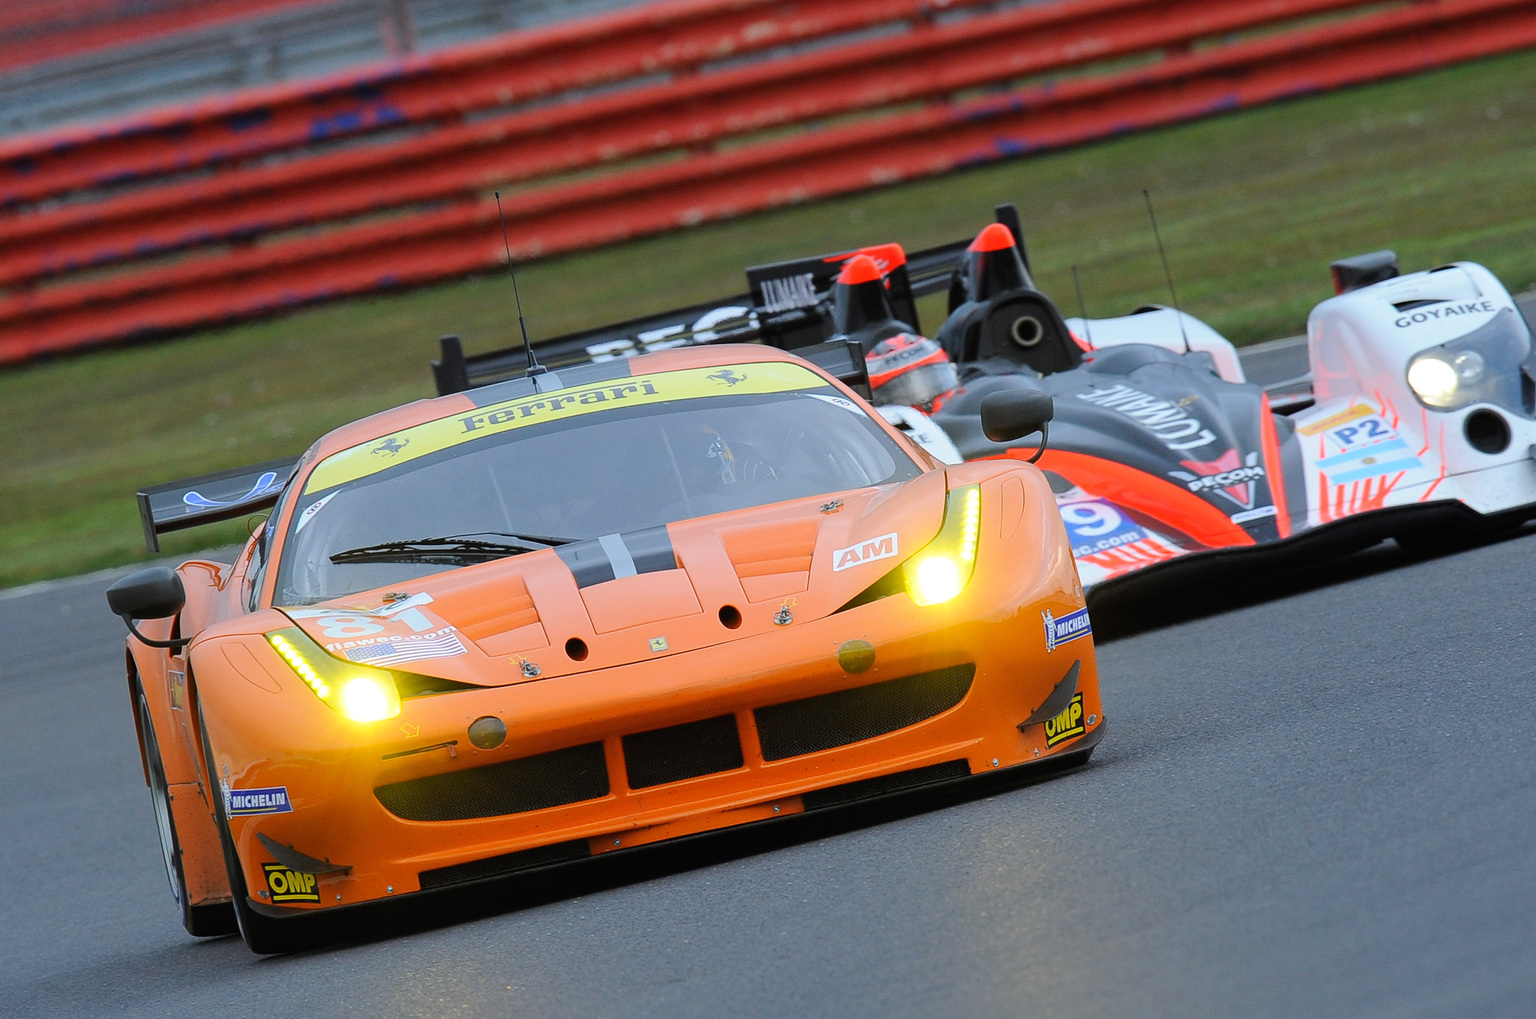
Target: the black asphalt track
(1317, 796)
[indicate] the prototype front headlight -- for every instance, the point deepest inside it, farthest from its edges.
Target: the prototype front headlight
(1483, 366)
(942, 569)
(360, 693)
(1434, 380)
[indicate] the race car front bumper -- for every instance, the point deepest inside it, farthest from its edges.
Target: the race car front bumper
(704, 740)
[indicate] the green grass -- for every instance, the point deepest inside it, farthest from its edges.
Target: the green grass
(1253, 205)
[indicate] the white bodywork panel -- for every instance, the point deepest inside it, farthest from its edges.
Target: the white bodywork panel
(1370, 442)
(1160, 328)
(920, 429)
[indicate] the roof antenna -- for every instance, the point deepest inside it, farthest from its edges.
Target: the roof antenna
(1164, 256)
(534, 368)
(1082, 308)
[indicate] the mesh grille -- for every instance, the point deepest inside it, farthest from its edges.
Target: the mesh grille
(682, 751)
(495, 866)
(839, 794)
(511, 787)
(848, 716)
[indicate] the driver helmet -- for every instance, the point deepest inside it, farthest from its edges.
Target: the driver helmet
(910, 370)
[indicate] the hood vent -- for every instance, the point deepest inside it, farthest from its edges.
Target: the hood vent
(499, 616)
(772, 560)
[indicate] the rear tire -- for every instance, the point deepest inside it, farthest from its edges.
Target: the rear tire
(200, 921)
(262, 934)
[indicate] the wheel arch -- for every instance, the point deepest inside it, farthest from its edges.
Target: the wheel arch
(133, 706)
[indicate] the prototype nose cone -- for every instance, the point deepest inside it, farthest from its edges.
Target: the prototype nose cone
(859, 300)
(993, 264)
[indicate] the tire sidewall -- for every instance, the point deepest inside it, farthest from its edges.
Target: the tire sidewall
(165, 820)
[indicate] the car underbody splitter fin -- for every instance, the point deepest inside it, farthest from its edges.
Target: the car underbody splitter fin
(294, 860)
(1057, 702)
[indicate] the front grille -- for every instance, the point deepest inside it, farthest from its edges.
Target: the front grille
(868, 787)
(848, 716)
(495, 866)
(511, 787)
(682, 751)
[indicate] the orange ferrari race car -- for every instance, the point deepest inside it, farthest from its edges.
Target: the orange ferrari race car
(584, 610)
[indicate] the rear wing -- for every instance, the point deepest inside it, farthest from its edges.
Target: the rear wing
(209, 498)
(788, 306)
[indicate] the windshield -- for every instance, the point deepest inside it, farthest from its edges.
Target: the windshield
(523, 474)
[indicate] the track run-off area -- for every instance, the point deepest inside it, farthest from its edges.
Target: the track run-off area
(1316, 796)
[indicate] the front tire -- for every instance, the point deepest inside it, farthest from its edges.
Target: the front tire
(262, 934)
(200, 921)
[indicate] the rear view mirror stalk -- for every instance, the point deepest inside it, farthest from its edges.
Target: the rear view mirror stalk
(1010, 415)
(155, 593)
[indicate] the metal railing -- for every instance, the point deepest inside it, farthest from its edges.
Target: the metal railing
(133, 56)
(265, 210)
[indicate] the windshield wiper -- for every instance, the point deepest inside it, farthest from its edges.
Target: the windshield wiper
(449, 549)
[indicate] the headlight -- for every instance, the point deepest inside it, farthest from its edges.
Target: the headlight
(1484, 366)
(356, 691)
(942, 569)
(1434, 380)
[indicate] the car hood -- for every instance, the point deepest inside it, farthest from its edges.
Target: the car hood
(623, 598)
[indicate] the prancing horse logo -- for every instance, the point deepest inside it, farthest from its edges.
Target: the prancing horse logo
(727, 376)
(390, 446)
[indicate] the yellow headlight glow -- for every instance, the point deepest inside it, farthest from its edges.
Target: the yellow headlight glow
(941, 571)
(935, 579)
(365, 699)
(360, 693)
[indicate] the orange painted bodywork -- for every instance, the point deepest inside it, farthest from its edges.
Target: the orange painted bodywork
(1273, 467)
(267, 729)
(1142, 492)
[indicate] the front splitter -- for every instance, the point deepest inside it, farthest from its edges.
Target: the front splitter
(836, 809)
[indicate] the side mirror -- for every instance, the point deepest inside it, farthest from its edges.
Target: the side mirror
(155, 593)
(1363, 270)
(1014, 413)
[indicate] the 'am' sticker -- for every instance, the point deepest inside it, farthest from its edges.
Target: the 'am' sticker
(883, 547)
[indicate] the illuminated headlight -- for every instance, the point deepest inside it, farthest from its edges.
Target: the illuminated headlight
(1441, 379)
(1434, 380)
(356, 691)
(941, 571)
(933, 579)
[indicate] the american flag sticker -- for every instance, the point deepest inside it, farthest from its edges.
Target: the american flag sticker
(392, 650)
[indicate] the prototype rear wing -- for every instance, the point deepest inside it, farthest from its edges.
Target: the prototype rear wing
(208, 498)
(788, 306)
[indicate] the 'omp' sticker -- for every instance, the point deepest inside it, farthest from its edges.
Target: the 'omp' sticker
(1067, 724)
(285, 885)
(432, 436)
